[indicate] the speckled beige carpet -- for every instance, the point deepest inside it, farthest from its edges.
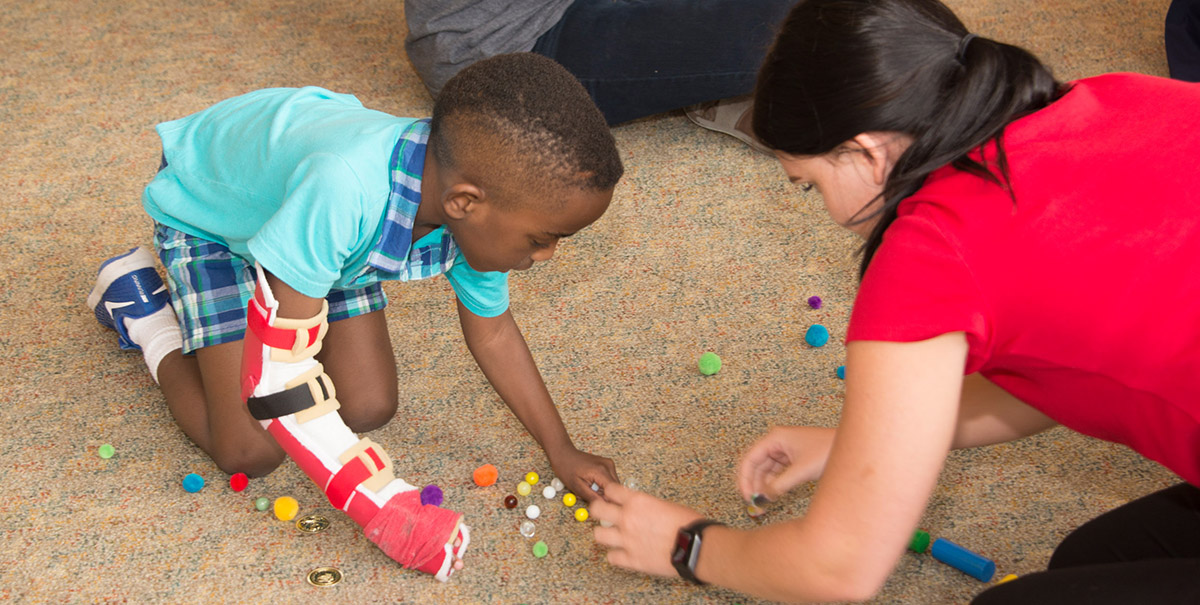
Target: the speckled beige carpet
(705, 248)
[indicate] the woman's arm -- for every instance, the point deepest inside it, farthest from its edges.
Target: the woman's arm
(897, 425)
(989, 415)
(788, 456)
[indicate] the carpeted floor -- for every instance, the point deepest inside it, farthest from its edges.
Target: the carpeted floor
(705, 248)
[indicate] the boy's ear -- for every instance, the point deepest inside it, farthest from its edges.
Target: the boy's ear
(461, 199)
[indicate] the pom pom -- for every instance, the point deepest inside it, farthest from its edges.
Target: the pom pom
(286, 508)
(920, 541)
(841, 372)
(817, 335)
(431, 495)
(485, 475)
(193, 483)
(238, 482)
(814, 302)
(710, 363)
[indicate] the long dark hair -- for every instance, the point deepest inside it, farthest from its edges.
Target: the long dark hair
(839, 68)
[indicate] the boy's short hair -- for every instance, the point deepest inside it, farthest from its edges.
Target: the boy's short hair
(538, 118)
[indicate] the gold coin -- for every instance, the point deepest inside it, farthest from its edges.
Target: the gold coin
(324, 576)
(312, 524)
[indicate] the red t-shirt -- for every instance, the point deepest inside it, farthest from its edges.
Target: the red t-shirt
(1082, 299)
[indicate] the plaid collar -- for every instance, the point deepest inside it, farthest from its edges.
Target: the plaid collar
(394, 255)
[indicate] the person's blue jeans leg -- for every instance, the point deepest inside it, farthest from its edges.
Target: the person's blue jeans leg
(1182, 38)
(642, 57)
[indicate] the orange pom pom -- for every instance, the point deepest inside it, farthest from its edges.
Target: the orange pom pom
(485, 475)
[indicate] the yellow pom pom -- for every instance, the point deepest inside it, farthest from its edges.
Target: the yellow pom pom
(286, 508)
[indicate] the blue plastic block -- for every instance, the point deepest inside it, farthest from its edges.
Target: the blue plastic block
(977, 566)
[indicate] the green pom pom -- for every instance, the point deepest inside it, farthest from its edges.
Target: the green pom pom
(540, 549)
(920, 541)
(710, 363)
(107, 451)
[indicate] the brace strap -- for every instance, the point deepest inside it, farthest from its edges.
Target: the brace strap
(289, 339)
(365, 463)
(308, 396)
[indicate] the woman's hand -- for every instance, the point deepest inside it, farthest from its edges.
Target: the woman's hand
(580, 470)
(785, 457)
(643, 529)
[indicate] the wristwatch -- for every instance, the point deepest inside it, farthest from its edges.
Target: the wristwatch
(687, 549)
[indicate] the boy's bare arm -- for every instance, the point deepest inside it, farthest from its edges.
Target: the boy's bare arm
(292, 304)
(502, 354)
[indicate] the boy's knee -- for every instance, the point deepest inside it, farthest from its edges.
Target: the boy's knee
(370, 413)
(254, 461)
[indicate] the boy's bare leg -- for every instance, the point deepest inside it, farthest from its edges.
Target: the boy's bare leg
(130, 298)
(358, 357)
(202, 394)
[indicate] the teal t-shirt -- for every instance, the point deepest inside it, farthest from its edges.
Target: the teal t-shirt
(299, 181)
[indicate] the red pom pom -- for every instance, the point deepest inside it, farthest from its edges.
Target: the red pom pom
(238, 482)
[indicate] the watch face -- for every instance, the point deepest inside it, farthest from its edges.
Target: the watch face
(683, 543)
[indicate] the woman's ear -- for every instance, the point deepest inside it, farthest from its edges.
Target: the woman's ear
(881, 150)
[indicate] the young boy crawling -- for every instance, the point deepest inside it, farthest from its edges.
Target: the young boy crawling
(277, 215)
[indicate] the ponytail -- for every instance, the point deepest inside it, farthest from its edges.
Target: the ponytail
(839, 68)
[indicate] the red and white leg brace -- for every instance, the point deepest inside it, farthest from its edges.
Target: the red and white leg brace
(288, 391)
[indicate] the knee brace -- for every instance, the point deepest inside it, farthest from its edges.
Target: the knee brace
(287, 390)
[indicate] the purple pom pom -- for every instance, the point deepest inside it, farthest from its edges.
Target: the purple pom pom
(431, 495)
(814, 302)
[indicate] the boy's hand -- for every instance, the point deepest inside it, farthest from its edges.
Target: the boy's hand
(579, 470)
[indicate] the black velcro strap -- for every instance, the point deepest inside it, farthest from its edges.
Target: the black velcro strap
(295, 399)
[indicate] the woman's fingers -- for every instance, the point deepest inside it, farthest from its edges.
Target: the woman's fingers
(608, 537)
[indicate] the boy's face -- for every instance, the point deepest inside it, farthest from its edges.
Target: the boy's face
(521, 233)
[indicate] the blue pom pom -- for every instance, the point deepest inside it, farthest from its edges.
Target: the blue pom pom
(817, 335)
(193, 483)
(431, 495)
(841, 372)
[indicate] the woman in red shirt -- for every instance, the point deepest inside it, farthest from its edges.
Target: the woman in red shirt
(1032, 258)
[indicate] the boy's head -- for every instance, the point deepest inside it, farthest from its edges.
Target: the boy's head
(523, 156)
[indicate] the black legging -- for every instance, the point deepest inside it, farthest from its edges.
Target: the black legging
(1147, 551)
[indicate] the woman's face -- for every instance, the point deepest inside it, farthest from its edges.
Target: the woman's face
(849, 178)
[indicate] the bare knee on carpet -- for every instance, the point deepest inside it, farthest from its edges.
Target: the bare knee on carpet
(370, 411)
(255, 459)
(359, 359)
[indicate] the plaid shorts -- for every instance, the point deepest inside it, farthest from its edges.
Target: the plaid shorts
(210, 288)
